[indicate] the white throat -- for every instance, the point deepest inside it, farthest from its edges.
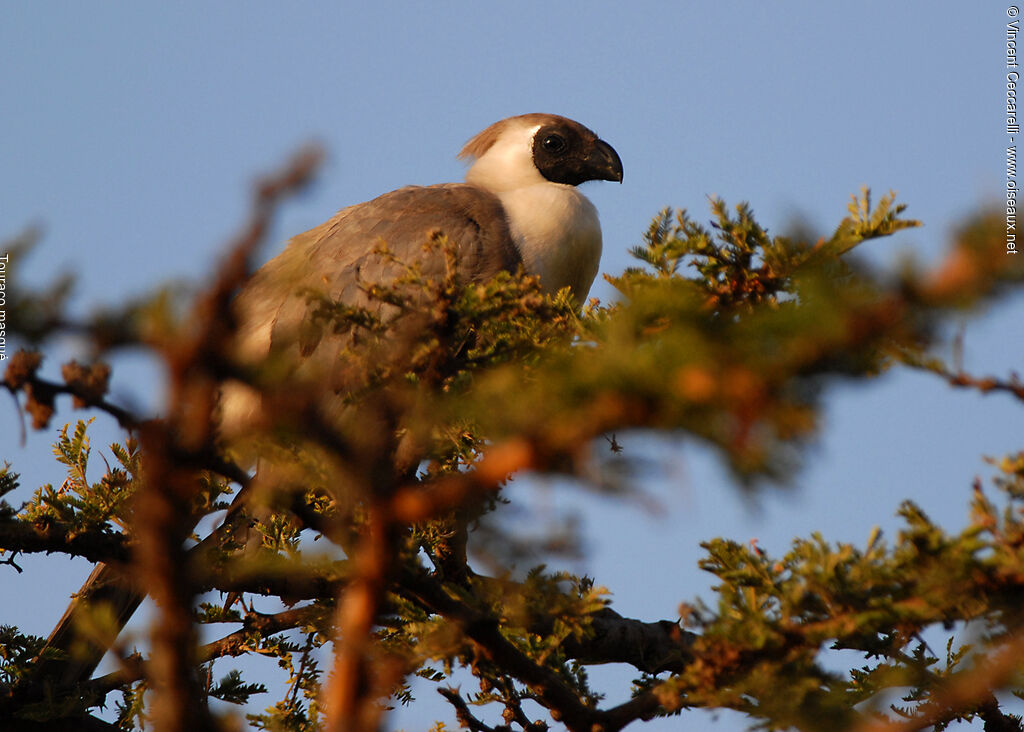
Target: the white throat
(554, 225)
(558, 234)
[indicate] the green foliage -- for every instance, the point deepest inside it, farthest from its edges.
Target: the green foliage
(78, 502)
(8, 480)
(736, 354)
(867, 222)
(299, 710)
(775, 616)
(8, 484)
(352, 543)
(16, 651)
(233, 690)
(131, 707)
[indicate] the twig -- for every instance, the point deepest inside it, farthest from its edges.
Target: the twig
(462, 713)
(985, 384)
(965, 691)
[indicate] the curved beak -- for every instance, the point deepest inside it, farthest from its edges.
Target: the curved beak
(604, 162)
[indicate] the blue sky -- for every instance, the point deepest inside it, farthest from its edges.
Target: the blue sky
(131, 133)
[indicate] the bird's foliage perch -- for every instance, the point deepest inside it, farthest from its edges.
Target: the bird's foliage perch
(368, 550)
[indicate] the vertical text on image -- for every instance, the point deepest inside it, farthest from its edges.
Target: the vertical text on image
(1012, 128)
(4, 260)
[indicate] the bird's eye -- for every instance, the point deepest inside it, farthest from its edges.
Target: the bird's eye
(554, 143)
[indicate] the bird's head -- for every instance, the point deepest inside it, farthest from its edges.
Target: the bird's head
(534, 148)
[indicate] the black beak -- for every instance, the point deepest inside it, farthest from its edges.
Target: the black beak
(604, 162)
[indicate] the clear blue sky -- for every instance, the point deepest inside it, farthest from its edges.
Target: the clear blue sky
(131, 133)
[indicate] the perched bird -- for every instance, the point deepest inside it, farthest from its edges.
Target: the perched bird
(518, 207)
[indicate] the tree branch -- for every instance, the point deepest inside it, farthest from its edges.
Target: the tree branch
(966, 691)
(234, 644)
(21, 376)
(484, 631)
(462, 713)
(650, 647)
(986, 384)
(56, 538)
(174, 450)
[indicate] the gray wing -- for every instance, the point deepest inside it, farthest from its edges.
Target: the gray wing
(335, 257)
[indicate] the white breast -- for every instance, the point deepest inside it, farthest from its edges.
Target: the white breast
(558, 234)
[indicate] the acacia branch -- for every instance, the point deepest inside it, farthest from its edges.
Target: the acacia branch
(462, 713)
(87, 723)
(292, 583)
(649, 647)
(41, 393)
(135, 668)
(52, 537)
(265, 625)
(965, 692)
(563, 701)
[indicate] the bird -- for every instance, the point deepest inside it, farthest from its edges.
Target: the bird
(519, 207)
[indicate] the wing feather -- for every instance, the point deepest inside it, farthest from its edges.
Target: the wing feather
(334, 258)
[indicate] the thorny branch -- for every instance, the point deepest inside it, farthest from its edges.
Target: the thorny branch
(174, 450)
(164, 513)
(21, 536)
